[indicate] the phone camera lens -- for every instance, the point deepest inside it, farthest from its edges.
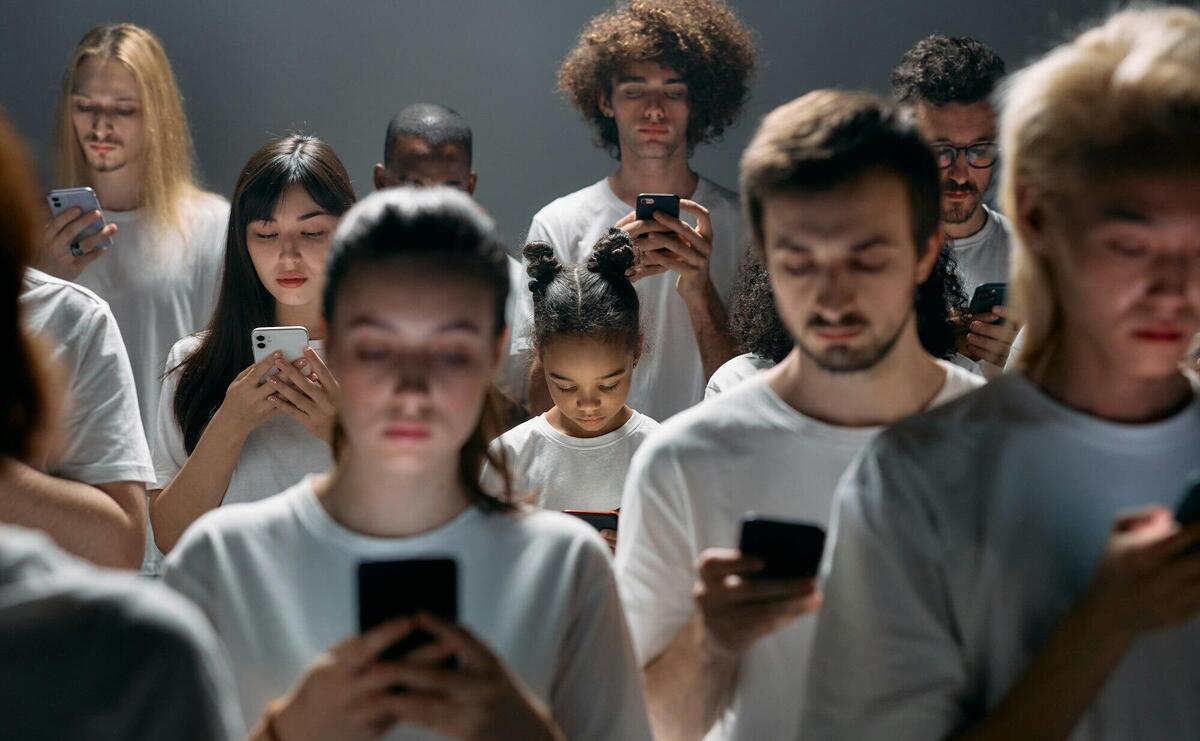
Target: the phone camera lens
(261, 346)
(260, 338)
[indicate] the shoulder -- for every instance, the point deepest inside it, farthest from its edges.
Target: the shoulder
(520, 435)
(713, 427)
(184, 347)
(207, 208)
(737, 369)
(717, 195)
(572, 212)
(959, 381)
(557, 537)
(641, 425)
(69, 298)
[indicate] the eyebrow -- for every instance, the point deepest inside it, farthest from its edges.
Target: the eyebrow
(990, 139)
(1121, 213)
(605, 377)
(633, 78)
(460, 325)
(867, 244)
(121, 99)
(302, 217)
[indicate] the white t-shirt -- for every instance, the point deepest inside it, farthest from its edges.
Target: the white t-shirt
(275, 456)
(103, 437)
(963, 536)
(734, 371)
(984, 256)
(161, 286)
(88, 653)
(572, 472)
(670, 375)
(687, 490)
(278, 580)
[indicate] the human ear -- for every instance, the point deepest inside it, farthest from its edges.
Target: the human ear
(380, 176)
(929, 256)
(1030, 221)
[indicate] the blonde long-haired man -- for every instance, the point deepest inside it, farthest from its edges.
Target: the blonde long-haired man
(122, 131)
(979, 587)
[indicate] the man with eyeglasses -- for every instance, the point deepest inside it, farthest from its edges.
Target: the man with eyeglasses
(947, 83)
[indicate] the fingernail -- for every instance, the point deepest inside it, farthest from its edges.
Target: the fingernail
(278, 354)
(301, 363)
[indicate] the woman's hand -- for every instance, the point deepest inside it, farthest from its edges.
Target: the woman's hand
(479, 700)
(1147, 578)
(57, 256)
(308, 393)
(249, 402)
(345, 694)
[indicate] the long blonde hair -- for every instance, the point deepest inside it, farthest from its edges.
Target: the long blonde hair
(1121, 95)
(168, 163)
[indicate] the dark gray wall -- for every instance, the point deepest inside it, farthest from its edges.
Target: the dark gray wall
(257, 68)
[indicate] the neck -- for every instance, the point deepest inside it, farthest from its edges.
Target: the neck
(968, 228)
(901, 384)
(664, 175)
(120, 190)
(368, 498)
(1085, 381)
(305, 315)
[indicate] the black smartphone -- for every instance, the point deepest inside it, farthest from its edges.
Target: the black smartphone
(599, 519)
(1188, 510)
(986, 296)
(392, 589)
(648, 203)
(789, 550)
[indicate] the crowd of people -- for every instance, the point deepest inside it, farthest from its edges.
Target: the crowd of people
(559, 452)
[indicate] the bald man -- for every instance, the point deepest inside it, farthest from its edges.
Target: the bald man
(427, 144)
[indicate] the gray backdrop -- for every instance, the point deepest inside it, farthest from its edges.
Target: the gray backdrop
(257, 68)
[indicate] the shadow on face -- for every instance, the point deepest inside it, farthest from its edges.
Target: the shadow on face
(415, 162)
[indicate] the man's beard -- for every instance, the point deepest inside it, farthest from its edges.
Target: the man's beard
(959, 213)
(852, 360)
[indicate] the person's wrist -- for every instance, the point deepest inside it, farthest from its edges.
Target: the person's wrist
(697, 291)
(710, 644)
(1106, 615)
(227, 427)
(272, 721)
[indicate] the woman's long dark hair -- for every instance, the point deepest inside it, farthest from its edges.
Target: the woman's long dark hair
(756, 327)
(449, 232)
(244, 302)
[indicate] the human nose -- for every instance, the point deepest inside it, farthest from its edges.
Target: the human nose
(654, 108)
(1170, 276)
(587, 399)
(411, 376)
(959, 170)
(835, 293)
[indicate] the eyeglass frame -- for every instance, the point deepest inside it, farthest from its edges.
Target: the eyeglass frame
(966, 152)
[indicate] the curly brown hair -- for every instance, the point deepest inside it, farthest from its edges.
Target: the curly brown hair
(703, 40)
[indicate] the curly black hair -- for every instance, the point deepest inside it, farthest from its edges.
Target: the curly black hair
(703, 40)
(757, 328)
(947, 69)
(592, 299)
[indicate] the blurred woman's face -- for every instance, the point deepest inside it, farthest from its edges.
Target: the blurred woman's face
(1128, 280)
(414, 349)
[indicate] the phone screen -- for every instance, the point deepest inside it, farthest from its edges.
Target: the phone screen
(648, 203)
(392, 589)
(789, 550)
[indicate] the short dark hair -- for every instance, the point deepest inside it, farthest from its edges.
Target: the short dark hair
(449, 232)
(703, 40)
(829, 137)
(596, 299)
(947, 69)
(433, 124)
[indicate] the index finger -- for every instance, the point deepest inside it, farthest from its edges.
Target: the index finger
(626, 219)
(717, 563)
(366, 647)
(463, 644)
(703, 221)
(324, 376)
(57, 223)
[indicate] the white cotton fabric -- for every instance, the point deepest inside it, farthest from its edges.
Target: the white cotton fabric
(572, 472)
(161, 285)
(984, 256)
(963, 536)
(277, 579)
(670, 375)
(102, 434)
(97, 654)
(689, 486)
(734, 371)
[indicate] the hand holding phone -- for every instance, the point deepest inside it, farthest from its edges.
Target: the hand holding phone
(599, 519)
(76, 234)
(788, 550)
(1188, 509)
(406, 588)
(648, 203)
(986, 296)
(290, 341)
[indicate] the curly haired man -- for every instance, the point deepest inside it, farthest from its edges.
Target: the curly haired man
(654, 80)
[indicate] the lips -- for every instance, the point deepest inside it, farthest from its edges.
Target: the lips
(406, 431)
(654, 131)
(1159, 334)
(836, 334)
(291, 281)
(101, 148)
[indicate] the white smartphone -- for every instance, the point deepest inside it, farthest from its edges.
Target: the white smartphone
(290, 341)
(62, 199)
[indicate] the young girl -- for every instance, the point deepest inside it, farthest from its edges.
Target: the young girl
(588, 336)
(222, 435)
(414, 300)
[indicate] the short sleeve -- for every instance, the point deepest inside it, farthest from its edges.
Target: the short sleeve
(106, 440)
(169, 452)
(887, 662)
(655, 561)
(597, 691)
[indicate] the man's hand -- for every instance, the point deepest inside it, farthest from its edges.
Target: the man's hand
(990, 342)
(667, 243)
(737, 610)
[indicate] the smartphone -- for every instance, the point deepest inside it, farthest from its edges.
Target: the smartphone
(1188, 510)
(986, 296)
(599, 519)
(291, 341)
(392, 589)
(63, 199)
(648, 203)
(789, 550)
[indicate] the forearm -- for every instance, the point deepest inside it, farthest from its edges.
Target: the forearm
(82, 519)
(199, 486)
(1059, 685)
(688, 685)
(539, 394)
(710, 323)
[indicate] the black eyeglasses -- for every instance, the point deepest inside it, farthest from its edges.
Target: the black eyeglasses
(979, 156)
